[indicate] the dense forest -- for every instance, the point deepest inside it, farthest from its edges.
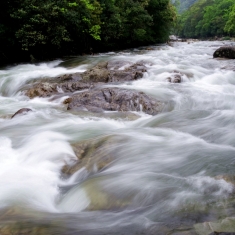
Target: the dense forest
(49, 28)
(208, 18)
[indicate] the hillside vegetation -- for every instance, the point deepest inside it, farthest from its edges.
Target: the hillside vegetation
(183, 5)
(208, 18)
(50, 28)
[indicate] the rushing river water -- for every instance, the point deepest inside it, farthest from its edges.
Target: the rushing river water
(167, 172)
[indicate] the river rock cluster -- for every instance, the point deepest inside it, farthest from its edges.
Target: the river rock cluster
(93, 95)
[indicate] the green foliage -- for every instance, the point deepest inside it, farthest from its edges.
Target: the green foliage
(207, 18)
(50, 23)
(45, 27)
(136, 22)
(226, 38)
(230, 24)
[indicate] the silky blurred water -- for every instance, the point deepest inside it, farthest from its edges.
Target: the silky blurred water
(166, 170)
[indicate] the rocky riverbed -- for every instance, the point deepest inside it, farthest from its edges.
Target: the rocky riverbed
(131, 142)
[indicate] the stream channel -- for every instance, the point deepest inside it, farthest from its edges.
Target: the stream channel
(146, 174)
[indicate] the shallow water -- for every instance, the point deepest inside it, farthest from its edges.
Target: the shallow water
(163, 172)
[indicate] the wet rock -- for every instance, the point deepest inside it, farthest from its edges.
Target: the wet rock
(225, 52)
(131, 73)
(216, 233)
(183, 233)
(225, 226)
(70, 77)
(100, 199)
(25, 228)
(113, 99)
(126, 116)
(227, 178)
(103, 72)
(47, 89)
(41, 90)
(99, 73)
(94, 154)
(118, 64)
(16, 221)
(110, 72)
(176, 77)
(22, 111)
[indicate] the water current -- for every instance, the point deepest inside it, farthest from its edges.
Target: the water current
(167, 172)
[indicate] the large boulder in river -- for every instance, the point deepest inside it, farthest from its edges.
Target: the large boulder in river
(113, 99)
(103, 72)
(225, 52)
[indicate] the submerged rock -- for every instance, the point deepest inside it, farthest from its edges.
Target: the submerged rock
(22, 111)
(225, 52)
(19, 221)
(125, 116)
(101, 199)
(222, 227)
(93, 154)
(96, 155)
(176, 77)
(113, 99)
(227, 178)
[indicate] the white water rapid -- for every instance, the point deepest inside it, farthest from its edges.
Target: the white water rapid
(168, 171)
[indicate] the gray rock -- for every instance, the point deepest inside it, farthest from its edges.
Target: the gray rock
(117, 64)
(22, 111)
(225, 52)
(176, 77)
(109, 72)
(225, 226)
(46, 89)
(114, 99)
(131, 73)
(99, 74)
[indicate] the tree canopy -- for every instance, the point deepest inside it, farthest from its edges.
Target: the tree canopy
(208, 18)
(46, 28)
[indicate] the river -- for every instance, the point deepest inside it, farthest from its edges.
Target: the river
(167, 171)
